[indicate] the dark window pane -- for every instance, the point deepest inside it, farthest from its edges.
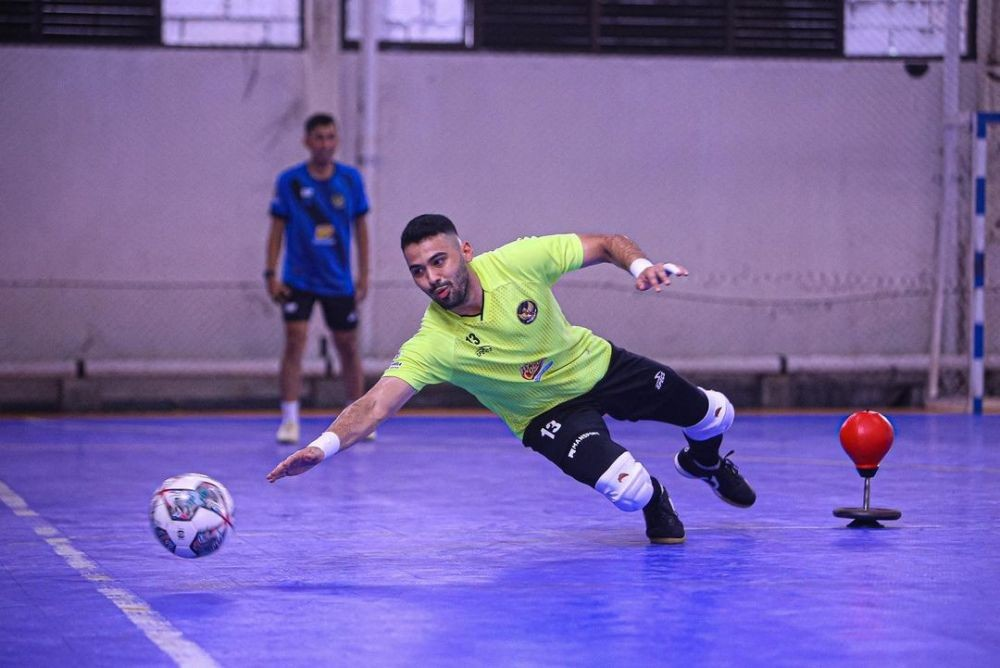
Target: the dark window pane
(791, 27)
(543, 25)
(80, 21)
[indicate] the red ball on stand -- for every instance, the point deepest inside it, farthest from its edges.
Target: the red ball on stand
(866, 437)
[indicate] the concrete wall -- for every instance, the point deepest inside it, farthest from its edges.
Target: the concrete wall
(129, 175)
(802, 195)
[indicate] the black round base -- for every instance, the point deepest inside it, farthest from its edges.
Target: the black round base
(867, 519)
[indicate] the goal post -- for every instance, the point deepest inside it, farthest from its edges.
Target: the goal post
(977, 251)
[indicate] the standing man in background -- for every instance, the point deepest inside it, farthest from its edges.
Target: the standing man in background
(318, 206)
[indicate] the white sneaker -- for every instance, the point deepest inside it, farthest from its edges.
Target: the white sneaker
(288, 432)
(371, 436)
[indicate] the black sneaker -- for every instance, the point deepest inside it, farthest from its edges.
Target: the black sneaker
(724, 478)
(662, 524)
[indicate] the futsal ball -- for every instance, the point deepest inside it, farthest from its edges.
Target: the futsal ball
(191, 515)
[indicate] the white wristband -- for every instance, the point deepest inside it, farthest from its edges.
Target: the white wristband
(328, 442)
(638, 266)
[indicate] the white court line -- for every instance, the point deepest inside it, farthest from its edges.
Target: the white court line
(161, 632)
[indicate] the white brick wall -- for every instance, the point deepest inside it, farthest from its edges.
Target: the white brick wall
(232, 23)
(207, 32)
(896, 27)
(283, 33)
(264, 9)
(440, 21)
(179, 8)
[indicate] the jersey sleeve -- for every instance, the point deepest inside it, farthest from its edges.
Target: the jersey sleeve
(543, 258)
(280, 206)
(421, 361)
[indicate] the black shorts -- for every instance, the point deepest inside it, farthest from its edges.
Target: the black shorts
(573, 434)
(340, 313)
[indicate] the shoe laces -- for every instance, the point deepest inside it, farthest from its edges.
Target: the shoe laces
(728, 463)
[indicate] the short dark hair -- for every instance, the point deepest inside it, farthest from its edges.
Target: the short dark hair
(318, 120)
(424, 226)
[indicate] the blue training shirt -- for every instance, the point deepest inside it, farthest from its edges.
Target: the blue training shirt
(319, 217)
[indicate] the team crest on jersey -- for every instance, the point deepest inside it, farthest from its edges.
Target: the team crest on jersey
(527, 311)
(337, 200)
(534, 371)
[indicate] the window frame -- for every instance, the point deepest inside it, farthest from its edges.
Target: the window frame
(477, 46)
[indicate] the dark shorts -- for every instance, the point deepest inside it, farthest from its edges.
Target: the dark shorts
(573, 434)
(340, 313)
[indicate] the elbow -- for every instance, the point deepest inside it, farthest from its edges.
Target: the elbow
(613, 243)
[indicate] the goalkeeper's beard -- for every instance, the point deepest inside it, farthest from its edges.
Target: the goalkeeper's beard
(458, 290)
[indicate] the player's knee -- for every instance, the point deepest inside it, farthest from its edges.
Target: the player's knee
(626, 484)
(296, 335)
(346, 343)
(718, 419)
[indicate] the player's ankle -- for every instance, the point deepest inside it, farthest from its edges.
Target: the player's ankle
(290, 411)
(705, 453)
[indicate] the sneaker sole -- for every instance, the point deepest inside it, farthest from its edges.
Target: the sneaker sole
(668, 541)
(733, 503)
(680, 469)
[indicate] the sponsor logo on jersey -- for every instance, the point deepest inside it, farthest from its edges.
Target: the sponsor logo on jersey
(323, 235)
(527, 311)
(482, 350)
(534, 371)
(305, 192)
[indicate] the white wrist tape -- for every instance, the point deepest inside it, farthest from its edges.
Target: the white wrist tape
(638, 266)
(328, 442)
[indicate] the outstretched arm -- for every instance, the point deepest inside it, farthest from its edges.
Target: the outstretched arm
(354, 423)
(621, 251)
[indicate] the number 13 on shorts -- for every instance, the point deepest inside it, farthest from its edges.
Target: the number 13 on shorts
(550, 429)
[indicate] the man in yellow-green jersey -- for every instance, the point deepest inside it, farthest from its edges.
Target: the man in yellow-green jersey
(495, 329)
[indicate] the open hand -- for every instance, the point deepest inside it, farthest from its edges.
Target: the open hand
(658, 275)
(297, 463)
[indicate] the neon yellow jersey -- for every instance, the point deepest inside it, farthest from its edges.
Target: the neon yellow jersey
(520, 356)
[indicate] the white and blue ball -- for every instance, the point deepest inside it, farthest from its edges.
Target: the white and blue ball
(191, 515)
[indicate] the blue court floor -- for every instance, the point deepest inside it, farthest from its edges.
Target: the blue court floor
(446, 543)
